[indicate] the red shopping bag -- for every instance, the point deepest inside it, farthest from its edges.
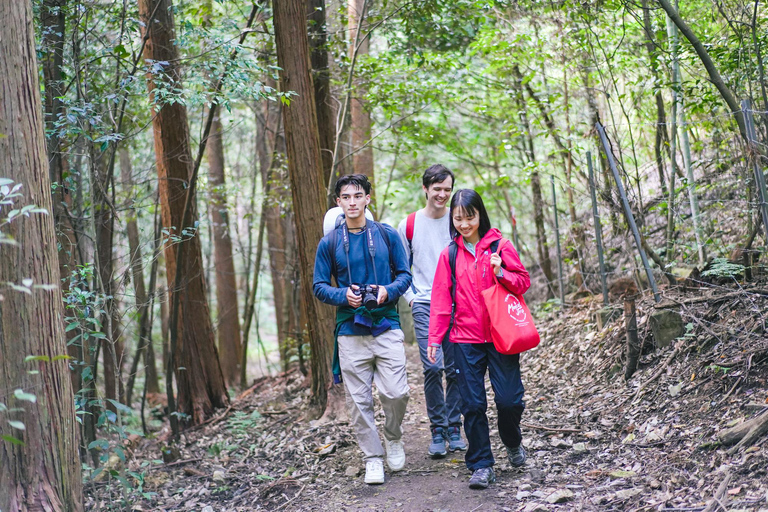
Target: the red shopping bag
(512, 328)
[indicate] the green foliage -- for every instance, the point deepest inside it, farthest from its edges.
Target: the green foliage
(721, 267)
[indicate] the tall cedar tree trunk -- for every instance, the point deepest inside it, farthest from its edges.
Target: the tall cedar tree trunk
(104, 220)
(269, 147)
(53, 22)
(362, 160)
(43, 473)
(321, 77)
(199, 380)
(228, 331)
(137, 274)
(306, 173)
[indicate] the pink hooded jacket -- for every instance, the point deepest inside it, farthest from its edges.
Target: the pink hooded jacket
(473, 275)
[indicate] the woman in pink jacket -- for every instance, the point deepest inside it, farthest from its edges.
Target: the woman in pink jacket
(482, 252)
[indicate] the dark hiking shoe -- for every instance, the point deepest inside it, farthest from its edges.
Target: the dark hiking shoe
(482, 478)
(517, 456)
(437, 448)
(455, 442)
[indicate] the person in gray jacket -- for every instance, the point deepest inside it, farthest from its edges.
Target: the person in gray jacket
(425, 233)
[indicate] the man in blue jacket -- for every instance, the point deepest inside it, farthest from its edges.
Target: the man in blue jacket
(371, 271)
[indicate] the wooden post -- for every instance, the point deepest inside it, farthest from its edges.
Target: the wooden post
(633, 345)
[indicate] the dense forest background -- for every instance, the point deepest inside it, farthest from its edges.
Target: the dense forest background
(193, 147)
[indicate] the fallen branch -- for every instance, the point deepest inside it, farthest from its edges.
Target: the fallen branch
(551, 429)
(719, 494)
(736, 434)
(759, 427)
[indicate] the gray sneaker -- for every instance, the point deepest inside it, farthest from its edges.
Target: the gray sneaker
(437, 448)
(482, 478)
(455, 442)
(516, 456)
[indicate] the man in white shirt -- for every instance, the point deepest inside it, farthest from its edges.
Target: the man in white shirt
(425, 234)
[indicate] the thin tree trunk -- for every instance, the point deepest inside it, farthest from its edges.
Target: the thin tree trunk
(594, 118)
(709, 65)
(542, 246)
(270, 149)
(104, 224)
(694, 202)
(661, 118)
(43, 472)
(362, 159)
(137, 273)
(200, 382)
(228, 331)
(305, 168)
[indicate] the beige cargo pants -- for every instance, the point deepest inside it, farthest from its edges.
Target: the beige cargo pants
(380, 359)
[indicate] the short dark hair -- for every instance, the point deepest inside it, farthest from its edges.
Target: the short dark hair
(358, 180)
(471, 202)
(437, 173)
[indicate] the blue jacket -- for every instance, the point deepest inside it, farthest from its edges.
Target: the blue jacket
(396, 279)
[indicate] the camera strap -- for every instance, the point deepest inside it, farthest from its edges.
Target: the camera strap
(371, 248)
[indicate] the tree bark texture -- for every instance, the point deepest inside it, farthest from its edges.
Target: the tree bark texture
(104, 221)
(362, 159)
(44, 472)
(52, 20)
(270, 150)
(306, 174)
(137, 274)
(199, 380)
(228, 331)
(321, 75)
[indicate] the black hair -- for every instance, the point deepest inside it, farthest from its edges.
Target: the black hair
(472, 204)
(358, 180)
(436, 174)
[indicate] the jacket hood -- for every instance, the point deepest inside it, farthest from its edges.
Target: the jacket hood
(491, 236)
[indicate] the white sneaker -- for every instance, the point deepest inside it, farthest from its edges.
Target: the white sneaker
(395, 454)
(374, 472)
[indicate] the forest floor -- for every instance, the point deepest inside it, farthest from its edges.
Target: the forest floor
(595, 441)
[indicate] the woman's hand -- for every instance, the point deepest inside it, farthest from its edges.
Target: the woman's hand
(432, 354)
(495, 263)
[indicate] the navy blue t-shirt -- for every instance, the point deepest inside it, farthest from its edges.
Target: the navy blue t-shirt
(361, 268)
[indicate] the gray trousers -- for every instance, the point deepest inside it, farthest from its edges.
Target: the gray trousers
(380, 359)
(443, 406)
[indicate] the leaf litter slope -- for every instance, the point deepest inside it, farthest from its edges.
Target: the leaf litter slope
(595, 441)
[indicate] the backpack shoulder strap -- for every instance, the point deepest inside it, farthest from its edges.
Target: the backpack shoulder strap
(385, 236)
(332, 248)
(453, 251)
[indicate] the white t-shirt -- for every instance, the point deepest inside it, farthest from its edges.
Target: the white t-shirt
(430, 237)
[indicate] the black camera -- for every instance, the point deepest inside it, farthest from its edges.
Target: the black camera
(370, 295)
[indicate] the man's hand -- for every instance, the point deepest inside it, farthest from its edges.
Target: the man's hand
(495, 263)
(354, 301)
(432, 354)
(382, 298)
(410, 303)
